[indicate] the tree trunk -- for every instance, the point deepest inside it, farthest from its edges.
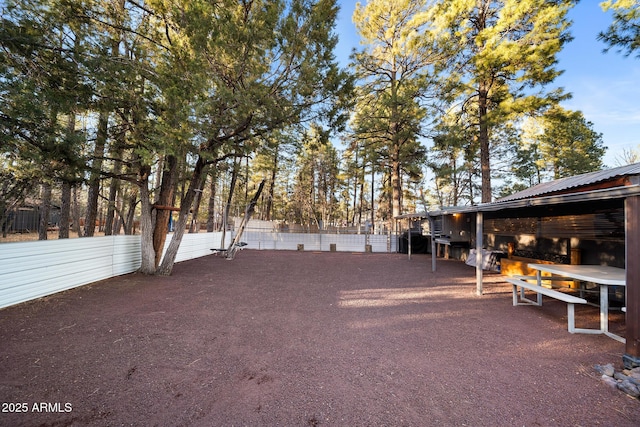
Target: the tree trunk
(211, 209)
(119, 221)
(185, 206)
(94, 179)
(360, 205)
(148, 265)
(373, 178)
(396, 189)
(65, 205)
(65, 210)
(396, 184)
(484, 144)
(246, 180)
(45, 209)
(355, 190)
(165, 198)
(109, 222)
(76, 212)
(114, 189)
(232, 186)
(128, 222)
(456, 182)
(272, 185)
(195, 226)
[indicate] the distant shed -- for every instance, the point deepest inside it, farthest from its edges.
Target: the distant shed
(26, 219)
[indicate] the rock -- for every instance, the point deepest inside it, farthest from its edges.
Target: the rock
(605, 369)
(629, 388)
(620, 376)
(634, 380)
(609, 381)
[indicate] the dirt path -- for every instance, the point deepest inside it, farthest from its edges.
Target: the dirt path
(301, 338)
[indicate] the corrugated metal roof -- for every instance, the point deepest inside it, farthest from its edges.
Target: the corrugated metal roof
(563, 184)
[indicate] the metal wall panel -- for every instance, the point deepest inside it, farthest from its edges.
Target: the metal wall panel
(195, 245)
(260, 240)
(344, 242)
(315, 242)
(290, 241)
(30, 270)
(34, 269)
(127, 255)
(380, 243)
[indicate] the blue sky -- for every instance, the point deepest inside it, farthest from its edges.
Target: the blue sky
(605, 86)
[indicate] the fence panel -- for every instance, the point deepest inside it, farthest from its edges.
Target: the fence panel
(265, 240)
(35, 269)
(261, 240)
(383, 243)
(344, 242)
(127, 254)
(30, 270)
(197, 244)
(290, 241)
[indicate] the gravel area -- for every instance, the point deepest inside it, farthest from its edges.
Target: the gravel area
(286, 338)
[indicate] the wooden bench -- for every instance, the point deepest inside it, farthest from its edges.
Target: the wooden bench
(519, 282)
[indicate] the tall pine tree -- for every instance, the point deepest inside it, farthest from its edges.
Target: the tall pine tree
(503, 57)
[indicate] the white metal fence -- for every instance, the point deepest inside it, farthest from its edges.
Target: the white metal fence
(30, 270)
(318, 241)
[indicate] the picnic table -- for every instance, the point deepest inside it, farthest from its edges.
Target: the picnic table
(602, 275)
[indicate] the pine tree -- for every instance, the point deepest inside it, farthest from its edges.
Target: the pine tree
(569, 145)
(393, 73)
(624, 31)
(503, 55)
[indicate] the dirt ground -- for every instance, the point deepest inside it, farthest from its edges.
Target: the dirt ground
(279, 338)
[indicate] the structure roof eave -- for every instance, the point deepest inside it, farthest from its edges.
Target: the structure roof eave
(574, 183)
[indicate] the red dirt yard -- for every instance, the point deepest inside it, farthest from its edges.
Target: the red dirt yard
(301, 338)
